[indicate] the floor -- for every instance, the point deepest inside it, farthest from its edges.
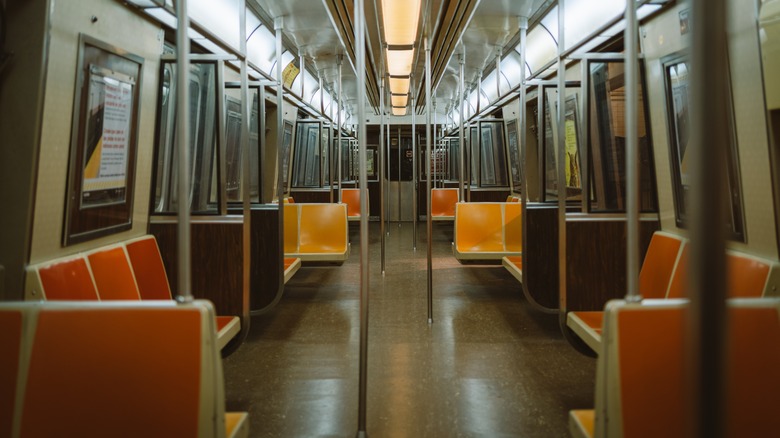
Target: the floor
(489, 365)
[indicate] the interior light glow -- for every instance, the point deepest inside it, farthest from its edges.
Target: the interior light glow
(400, 18)
(220, 17)
(399, 85)
(261, 49)
(540, 48)
(399, 111)
(399, 62)
(582, 18)
(399, 100)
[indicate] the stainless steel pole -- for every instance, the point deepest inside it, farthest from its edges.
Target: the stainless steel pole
(246, 110)
(387, 186)
(521, 122)
(278, 29)
(382, 163)
(360, 54)
(561, 169)
(708, 143)
(461, 134)
(341, 102)
(399, 176)
(632, 154)
(415, 176)
(183, 126)
(428, 172)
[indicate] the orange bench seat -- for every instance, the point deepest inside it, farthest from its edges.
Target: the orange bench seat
(487, 230)
(351, 198)
(443, 202)
(316, 232)
(641, 378)
(127, 369)
(664, 275)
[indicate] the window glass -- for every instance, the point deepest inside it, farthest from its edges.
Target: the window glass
(203, 194)
(474, 147)
(454, 168)
(308, 144)
(514, 152)
(572, 142)
(607, 141)
(493, 165)
(233, 152)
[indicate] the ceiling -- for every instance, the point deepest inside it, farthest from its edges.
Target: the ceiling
(320, 30)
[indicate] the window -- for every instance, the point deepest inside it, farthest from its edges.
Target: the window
(571, 140)
(492, 159)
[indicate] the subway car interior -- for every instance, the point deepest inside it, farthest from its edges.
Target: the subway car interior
(346, 218)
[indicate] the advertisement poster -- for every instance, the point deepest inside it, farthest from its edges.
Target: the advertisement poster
(110, 111)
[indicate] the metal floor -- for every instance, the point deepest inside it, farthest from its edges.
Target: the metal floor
(490, 365)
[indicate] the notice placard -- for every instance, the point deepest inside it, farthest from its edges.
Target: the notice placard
(110, 112)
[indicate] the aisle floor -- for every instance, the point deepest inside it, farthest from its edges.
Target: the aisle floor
(489, 365)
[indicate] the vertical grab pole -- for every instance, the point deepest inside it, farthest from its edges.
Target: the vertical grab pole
(707, 263)
(561, 169)
(399, 176)
(278, 28)
(387, 186)
(428, 172)
(360, 54)
(632, 155)
(382, 162)
(245, 167)
(183, 127)
(461, 135)
(521, 125)
(435, 157)
(338, 116)
(415, 181)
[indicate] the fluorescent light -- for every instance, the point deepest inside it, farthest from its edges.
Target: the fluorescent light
(399, 99)
(400, 19)
(399, 111)
(147, 3)
(399, 62)
(399, 85)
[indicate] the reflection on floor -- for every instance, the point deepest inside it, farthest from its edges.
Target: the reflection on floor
(489, 365)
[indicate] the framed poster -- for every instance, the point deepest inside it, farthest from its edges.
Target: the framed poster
(104, 135)
(678, 96)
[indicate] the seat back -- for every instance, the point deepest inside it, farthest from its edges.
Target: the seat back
(65, 279)
(148, 268)
(443, 202)
(747, 276)
(120, 369)
(323, 228)
(513, 227)
(643, 361)
(657, 268)
(351, 197)
(291, 227)
(113, 275)
(479, 227)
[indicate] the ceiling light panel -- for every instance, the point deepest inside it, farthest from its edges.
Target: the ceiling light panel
(399, 62)
(400, 18)
(399, 111)
(399, 85)
(399, 100)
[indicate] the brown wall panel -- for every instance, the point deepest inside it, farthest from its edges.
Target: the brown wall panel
(540, 254)
(596, 261)
(217, 265)
(266, 269)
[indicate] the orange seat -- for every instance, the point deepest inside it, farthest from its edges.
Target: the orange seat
(351, 197)
(68, 279)
(654, 280)
(514, 265)
(152, 281)
(114, 376)
(316, 232)
(443, 203)
(291, 266)
(640, 385)
(113, 275)
(149, 269)
(487, 231)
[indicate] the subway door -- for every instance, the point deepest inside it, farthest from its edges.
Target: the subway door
(401, 197)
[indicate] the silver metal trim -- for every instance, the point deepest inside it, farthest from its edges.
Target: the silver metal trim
(561, 165)
(222, 139)
(360, 54)
(632, 154)
(183, 125)
(428, 179)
